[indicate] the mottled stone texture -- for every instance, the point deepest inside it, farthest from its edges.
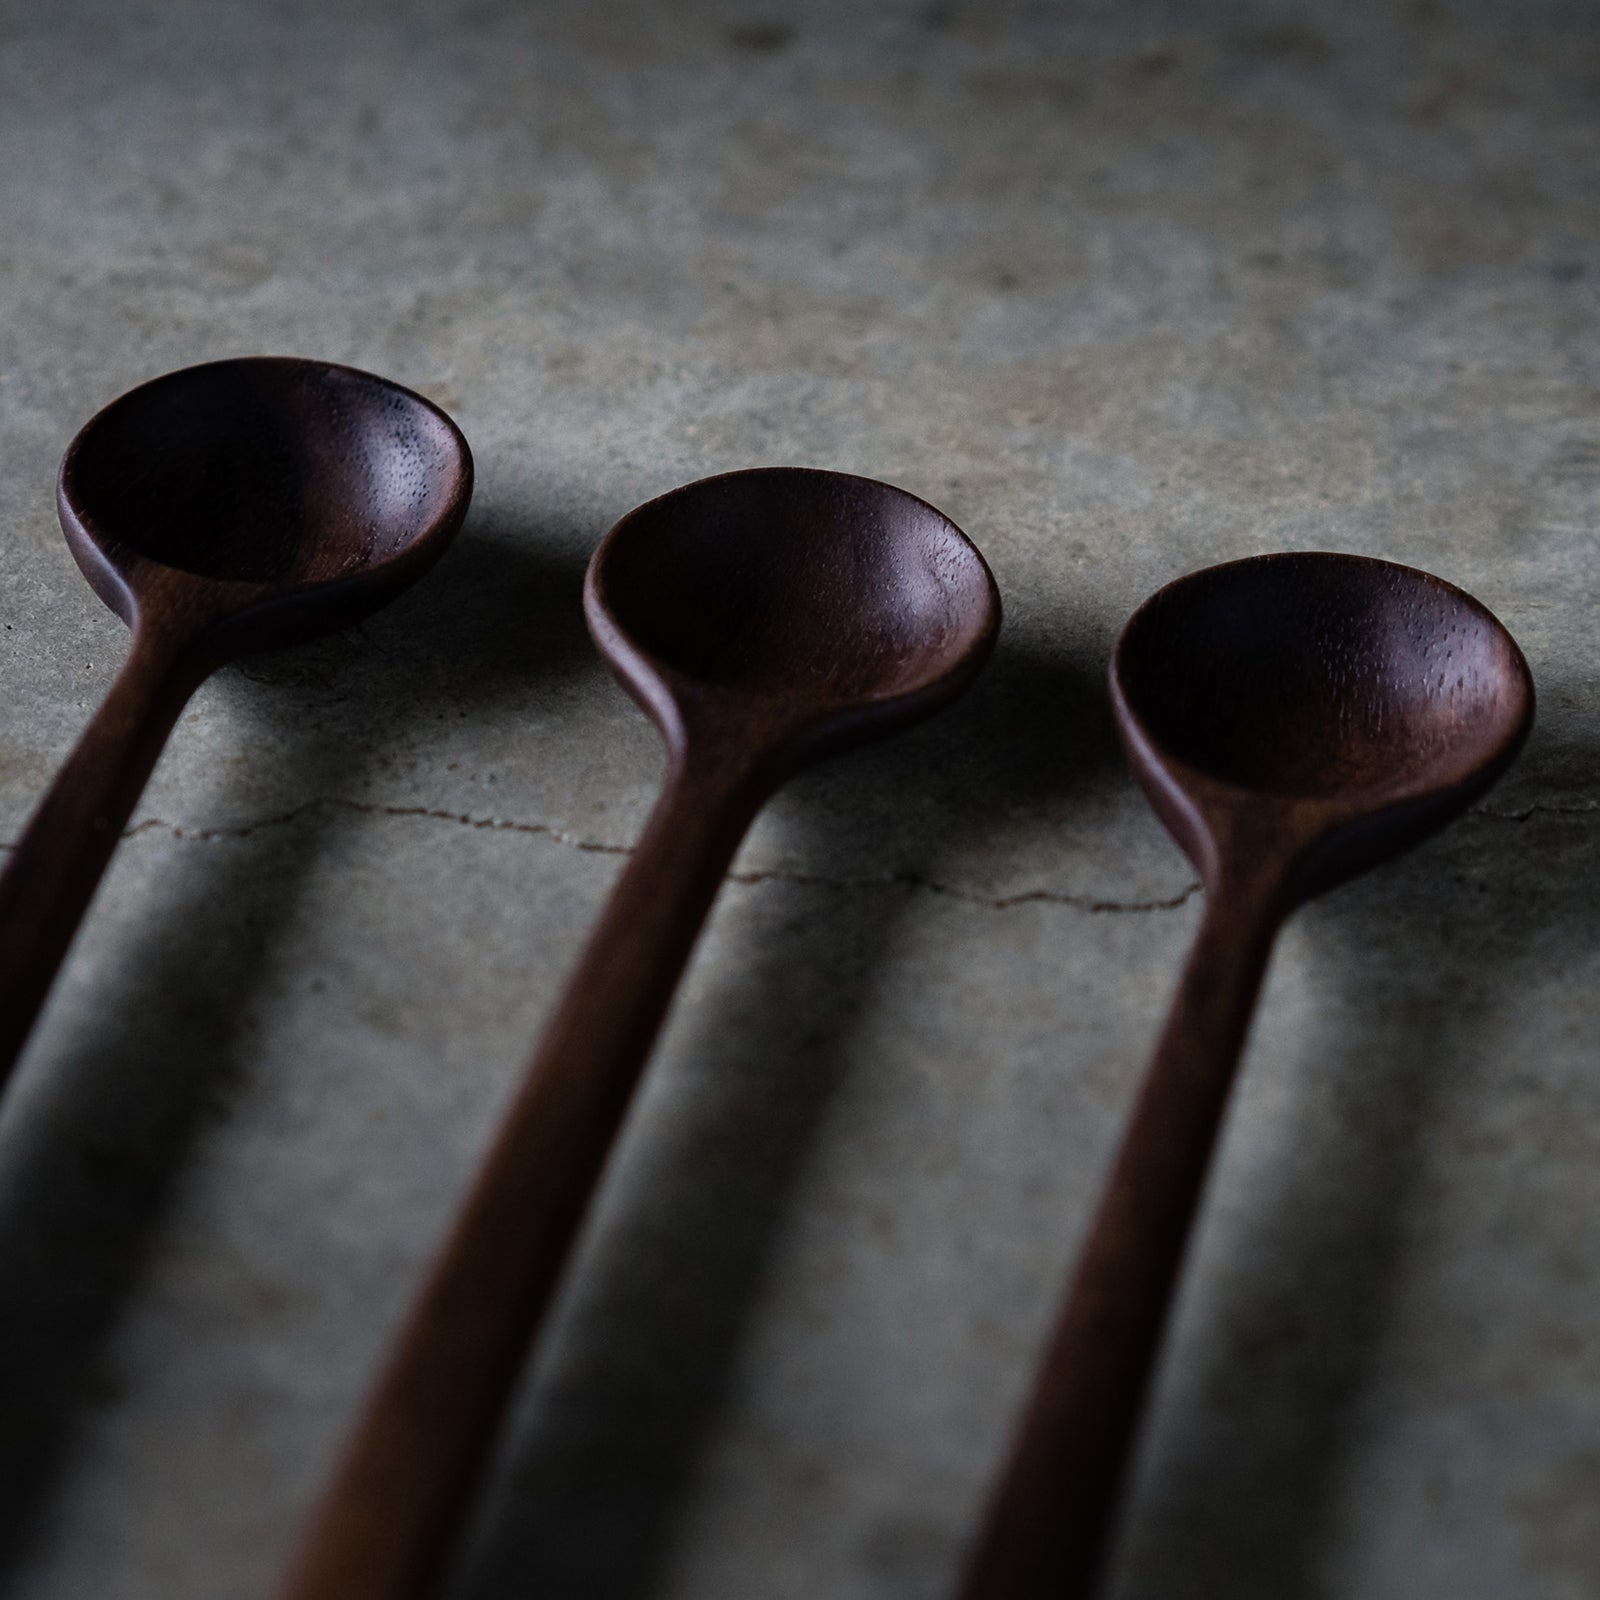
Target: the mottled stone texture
(1125, 290)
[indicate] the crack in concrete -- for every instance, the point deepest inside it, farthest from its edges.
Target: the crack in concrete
(911, 880)
(904, 880)
(1582, 809)
(465, 819)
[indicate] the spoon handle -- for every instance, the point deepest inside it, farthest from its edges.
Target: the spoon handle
(384, 1526)
(1046, 1530)
(62, 854)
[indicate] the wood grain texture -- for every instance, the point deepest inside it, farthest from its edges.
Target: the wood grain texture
(217, 510)
(764, 619)
(1294, 719)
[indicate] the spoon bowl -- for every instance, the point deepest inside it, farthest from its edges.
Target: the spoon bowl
(824, 605)
(290, 497)
(1358, 703)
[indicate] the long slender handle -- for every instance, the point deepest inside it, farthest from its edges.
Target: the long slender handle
(1047, 1527)
(384, 1526)
(58, 862)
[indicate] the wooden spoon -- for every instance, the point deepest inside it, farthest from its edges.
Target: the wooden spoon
(217, 510)
(1294, 720)
(763, 619)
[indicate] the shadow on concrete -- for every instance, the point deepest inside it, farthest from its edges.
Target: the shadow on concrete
(641, 1350)
(1424, 960)
(90, 1166)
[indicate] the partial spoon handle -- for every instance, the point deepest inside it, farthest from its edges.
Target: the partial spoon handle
(1046, 1530)
(58, 862)
(384, 1527)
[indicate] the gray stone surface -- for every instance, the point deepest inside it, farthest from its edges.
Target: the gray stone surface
(1125, 292)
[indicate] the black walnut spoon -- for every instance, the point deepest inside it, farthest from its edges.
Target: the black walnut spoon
(1294, 720)
(763, 619)
(217, 510)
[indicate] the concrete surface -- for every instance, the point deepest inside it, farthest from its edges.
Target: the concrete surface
(1125, 290)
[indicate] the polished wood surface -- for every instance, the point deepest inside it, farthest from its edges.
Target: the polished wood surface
(764, 619)
(217, 510)
(1294, 719)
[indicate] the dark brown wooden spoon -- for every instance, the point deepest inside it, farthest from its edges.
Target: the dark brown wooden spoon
(217, 510)
(1294, 719)
(763, 619)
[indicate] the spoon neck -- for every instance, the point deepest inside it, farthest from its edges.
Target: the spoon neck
(166, 651)
(54, 867)
(1250, 868)
(1245, 897)
(723, 763)
(706, 804)
(1222, 978)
